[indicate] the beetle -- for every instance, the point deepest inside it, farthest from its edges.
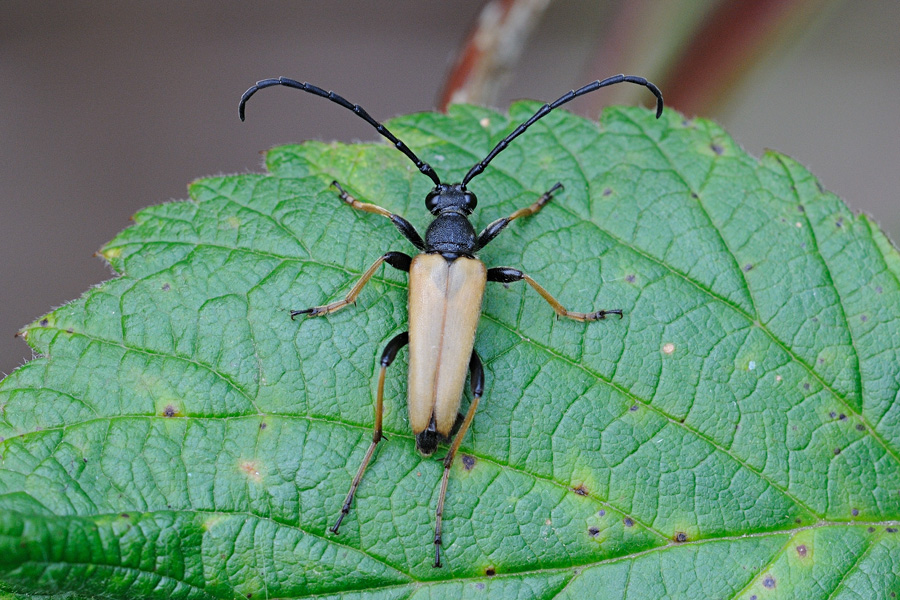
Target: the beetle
(446, 286)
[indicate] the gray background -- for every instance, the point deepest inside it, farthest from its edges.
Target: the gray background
(110, 106)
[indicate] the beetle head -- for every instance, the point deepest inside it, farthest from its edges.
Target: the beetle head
(455, 196)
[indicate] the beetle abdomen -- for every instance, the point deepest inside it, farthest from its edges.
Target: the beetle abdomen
(444, 308)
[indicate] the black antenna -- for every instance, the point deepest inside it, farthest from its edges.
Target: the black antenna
(591, 87)
(358, 110)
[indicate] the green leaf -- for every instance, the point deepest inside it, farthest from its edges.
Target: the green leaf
(736, 434)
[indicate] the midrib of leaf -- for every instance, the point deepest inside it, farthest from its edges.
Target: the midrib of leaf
(365, 428)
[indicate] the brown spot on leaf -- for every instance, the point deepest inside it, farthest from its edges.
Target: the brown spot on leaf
(581, 490)
(891, 529)
(468, 462)
(607, 192)
(166, 287)
(801, 551)
(855, 512)
(125, 516)
(716, 148)
(490, 571)
(593, 531)
(748, 267)
(251, 470)
(263, 425)
(169, 411)
(629, 522)
(860, 427)
(629, 278)
(44, 322)
(837, 451)
(769, 582)
(681, 537)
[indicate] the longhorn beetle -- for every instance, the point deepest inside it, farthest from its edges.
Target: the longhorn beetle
(446, 287)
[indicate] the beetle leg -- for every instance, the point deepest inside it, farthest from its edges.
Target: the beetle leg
(405, 227)
(398, 260)
(508, 275)
(494, 229)
(476, 374)
(387, 357)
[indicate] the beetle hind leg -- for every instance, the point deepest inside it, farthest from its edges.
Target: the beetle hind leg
(387, 357)
(477, 376)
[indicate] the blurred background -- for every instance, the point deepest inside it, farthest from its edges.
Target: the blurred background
(109, 106)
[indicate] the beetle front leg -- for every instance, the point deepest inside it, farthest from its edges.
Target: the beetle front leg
(476, 375)
(405, 227)
(494, 229)
(398, 260)
(509, 275)
(387, 357)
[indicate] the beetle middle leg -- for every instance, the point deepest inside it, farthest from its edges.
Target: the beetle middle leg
(476, 374)
(387, 357)
(509, 275)
(398, 260)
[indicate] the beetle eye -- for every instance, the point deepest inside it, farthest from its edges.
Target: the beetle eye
(431, 200)
(471, 201)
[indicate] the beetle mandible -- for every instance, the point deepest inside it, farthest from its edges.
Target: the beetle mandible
(446, 287)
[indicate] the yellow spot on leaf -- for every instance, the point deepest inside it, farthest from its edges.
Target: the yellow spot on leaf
(111, 253)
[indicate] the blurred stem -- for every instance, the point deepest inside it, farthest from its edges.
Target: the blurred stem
(491, 51)
(735, 37)
(697, 51)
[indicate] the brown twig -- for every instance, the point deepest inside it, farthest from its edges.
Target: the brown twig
(491, 50)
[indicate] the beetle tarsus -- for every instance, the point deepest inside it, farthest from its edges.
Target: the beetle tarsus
(337, 525)
(437, 551)
(601, 314)
(315, 311)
